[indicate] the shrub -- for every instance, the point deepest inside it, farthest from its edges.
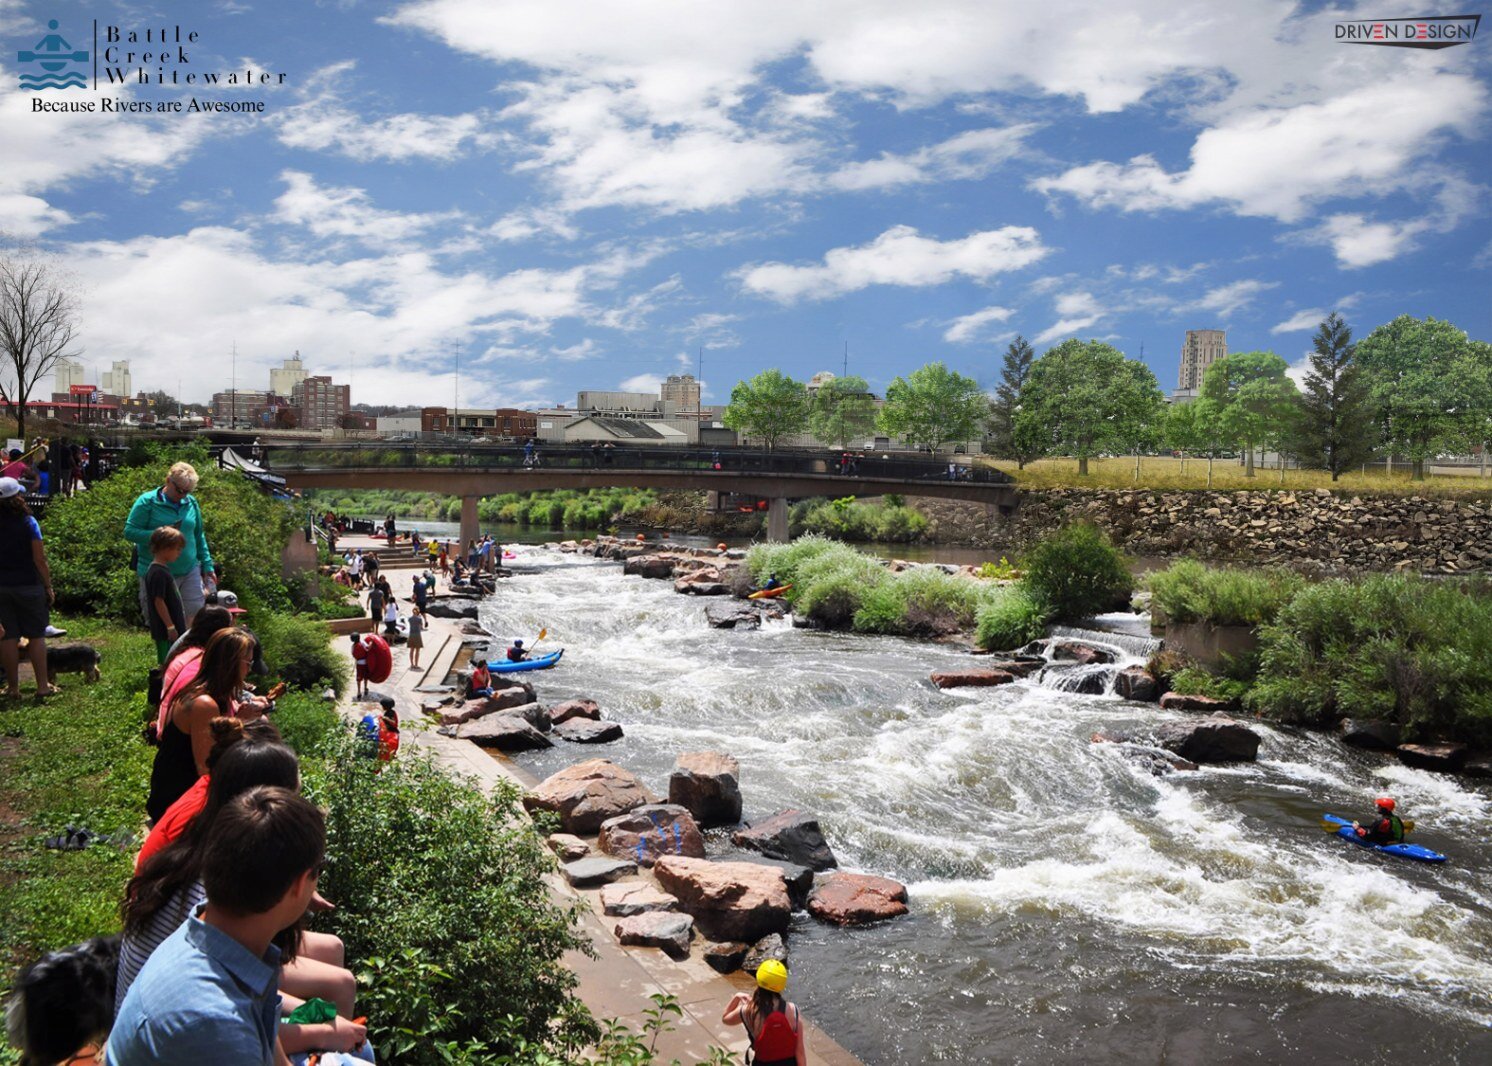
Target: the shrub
(849, 519)
(1194, 681)
(298, 651)
(828, 587)
(919, 602)
(1008, 618)
(1076, 573)
(1188, 591)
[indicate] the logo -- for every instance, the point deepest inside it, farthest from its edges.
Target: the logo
(53, 55)
(1425, 31)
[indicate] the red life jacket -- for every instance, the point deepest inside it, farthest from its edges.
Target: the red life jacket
(776, 1041)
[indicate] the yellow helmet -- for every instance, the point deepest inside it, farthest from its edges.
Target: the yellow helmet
(772, 976)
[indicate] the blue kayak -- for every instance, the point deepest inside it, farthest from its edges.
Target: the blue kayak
(543, 662)
(1403, 851)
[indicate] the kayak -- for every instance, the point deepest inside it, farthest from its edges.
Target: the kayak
(543, 662)
(1403, 851)
(767, 594)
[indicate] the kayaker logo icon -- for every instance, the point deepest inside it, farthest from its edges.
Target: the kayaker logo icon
(52, 63)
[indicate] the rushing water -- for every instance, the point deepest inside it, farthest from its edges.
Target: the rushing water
(1067, 906)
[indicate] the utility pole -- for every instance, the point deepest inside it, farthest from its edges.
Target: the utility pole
(845, 370)
(456, 388)
(233, 391)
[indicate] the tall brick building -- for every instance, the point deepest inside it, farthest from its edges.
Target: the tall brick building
(1201, 349)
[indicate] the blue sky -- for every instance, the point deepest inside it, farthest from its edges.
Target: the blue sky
(568, 195)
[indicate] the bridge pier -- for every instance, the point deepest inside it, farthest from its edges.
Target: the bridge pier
(469, 527)
(777, 520)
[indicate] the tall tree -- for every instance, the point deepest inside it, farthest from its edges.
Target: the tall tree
(932, 406)
(1423, 379)
(1083, 398)
(1003, 408)
(166, 405)
(842, 411)
(1255, 400)
(36, 329)
(1336, 419)
(768, 407)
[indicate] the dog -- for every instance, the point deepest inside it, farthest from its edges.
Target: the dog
(75, 658)
(64, 1002)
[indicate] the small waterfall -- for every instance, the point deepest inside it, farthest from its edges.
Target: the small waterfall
(1136, 647)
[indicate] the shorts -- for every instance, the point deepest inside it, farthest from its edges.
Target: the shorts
(193, 598)
(417, 640)
(24, 611)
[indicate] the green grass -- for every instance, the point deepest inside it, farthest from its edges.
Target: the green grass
(1188, 591)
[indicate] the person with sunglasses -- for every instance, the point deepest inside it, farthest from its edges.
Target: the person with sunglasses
(174, 505)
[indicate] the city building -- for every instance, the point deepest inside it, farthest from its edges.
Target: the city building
(1201, 349)
(624, 431)
(69, 373)
(505, 423)
(320, 404)
(116, 381)
(393, 425)
(616, 404)
(237, 407)
(283, 379)
(678, 397)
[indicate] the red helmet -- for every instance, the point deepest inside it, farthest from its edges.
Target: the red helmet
(1385, 803)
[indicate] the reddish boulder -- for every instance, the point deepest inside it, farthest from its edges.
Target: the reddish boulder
(505, 732)
(654, 566)
(1072, 651)
(649, 832)
(708, 785)
(588, 793)
(585, 731)
(1181, 701)
(1022, 667)
(857, 899)
(567, 846)
(1135, 683)
(563, 712)
(658, 929)
(971, 678)
(726, 957)
(634, 897)
(502, 699)
(729, 900)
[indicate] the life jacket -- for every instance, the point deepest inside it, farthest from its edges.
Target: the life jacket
(1394, 828)
(776, 1040)
(515, 655)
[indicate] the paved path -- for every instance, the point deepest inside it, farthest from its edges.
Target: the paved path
(618, 982)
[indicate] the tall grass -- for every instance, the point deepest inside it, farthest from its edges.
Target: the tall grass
(1188, 591)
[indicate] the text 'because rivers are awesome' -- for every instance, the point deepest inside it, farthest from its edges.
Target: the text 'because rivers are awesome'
(109, 105)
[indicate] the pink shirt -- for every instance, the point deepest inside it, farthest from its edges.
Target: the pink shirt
(180, 672)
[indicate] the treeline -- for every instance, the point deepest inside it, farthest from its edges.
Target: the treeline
(1413, 388)
(555, 509)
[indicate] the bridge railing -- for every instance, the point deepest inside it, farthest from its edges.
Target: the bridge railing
(468, 456)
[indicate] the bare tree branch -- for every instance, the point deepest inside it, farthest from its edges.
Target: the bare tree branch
(37, 328)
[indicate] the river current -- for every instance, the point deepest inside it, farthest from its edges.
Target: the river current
(1066, 906)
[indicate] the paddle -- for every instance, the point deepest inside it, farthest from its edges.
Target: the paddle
(1332, 827)
(542, 634)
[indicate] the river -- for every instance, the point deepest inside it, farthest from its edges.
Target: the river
(1066, 906)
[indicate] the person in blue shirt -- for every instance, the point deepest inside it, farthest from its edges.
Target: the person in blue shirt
(174, 505)
(209, 992)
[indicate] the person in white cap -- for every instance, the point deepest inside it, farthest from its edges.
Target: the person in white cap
(25, 591)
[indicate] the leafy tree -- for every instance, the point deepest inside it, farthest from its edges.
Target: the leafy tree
(769, 407)
(166, 405)
(1004, 441)
(932, 406)
(37, 316)
(1191, 427)
(1424, 377)
(1336, 424)
(1254, 398)
(1084, 398)
(841, 411)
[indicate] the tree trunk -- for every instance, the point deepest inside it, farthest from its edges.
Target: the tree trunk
(1183, 464)
(1248, 468)
(1417, 471)
(1482, 472)
(1209, 470)
(1389, 468)
(1137, 467)
(1282, 470)
(1082, 466)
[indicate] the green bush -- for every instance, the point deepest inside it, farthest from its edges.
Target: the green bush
(1408, 649)
(1076, 573)
(1008, 618)
(298, 650)
(1195, 681)
(919, 602)
(849, 519)
(1188, 591)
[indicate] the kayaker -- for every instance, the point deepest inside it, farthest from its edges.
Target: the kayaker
(772, 1023)
(516, 654)
(1386, 826)
(771, 584)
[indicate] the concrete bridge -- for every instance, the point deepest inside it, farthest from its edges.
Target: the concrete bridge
(472, 471)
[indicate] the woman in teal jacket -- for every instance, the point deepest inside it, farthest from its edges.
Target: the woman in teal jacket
(174, 505)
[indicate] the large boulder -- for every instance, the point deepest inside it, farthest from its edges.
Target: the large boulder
(857, 899)
(726, 957)
(771, 946)
(734, 615)
(1375, 734)
(708, 785)
(1135, 683)
(971, 678)
(729, 900)
(503, 699)
(450, 609)
(1214, 739)
(647, 833)
(1446, 758)
(1074, 651)
(658, 929)
(635, 897)
(505, 732)
(563, 712)
(587, 794)
(1020, 666)
(1183, 701)
(655, 566)
(790, 835)
(567, 847)
(799, 879)
(596, 870)
(693, 586)
(585, 731)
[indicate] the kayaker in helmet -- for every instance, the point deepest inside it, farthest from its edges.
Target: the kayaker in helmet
(1385, 827)
(771, 584)
(516, 654)
(772, 1023)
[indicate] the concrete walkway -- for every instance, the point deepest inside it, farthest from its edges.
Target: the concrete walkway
(618, 982)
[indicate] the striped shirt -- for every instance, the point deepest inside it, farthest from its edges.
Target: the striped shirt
(137, 948)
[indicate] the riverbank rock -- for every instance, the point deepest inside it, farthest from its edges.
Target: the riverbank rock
(1020, 666)
(647, 833)
(567, 847)
(505, 732)
(563, 712)
(726, 957)
(596, 870)
(452, 609)
(1374, 734)
(587, 794)
(1182, 701)
(653, 566)
(1214, 739)
(772, 946)
(694, 587)
(708, 785)
(799, 879)
(857, 899)
(1445, 758)
(658, 929)
(729, 900)
(635, 897)
(790, 835)
(1135, 683)
(1074, 651)
(502, 699)
(970, 678)
(585, 731)
(733, 616)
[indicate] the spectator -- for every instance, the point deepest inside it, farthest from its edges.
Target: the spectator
(421, 592)
(480, 684)
(371, 567)
(185, 658)
(167, 623)
(360, 665)
(63, 468)
(416, 633)
(389, 530)
(388, 733)
(375, 604)
(25, 591)
(18, 469)
(174, 505)
(445, 557)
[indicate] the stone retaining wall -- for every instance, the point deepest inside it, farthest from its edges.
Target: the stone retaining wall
(1317, 528)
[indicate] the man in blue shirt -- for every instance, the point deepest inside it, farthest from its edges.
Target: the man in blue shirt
(174, 505)
(209, 993)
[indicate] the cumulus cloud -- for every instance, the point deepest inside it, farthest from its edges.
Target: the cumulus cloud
(899, 256)
(641, 383)
(1076, 311)
(1301, 321)
(967, 327)
(1227, 299)
(969, 155)
(329, 211)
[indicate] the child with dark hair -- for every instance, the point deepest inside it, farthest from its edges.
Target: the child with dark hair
(166, 617)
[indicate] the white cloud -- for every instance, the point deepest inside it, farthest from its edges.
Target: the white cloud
(530, 222)
(1301, 321)
(899, 256)
(329, 211)
(641, 383)
(585, 349)
(1076, 311)
(968, 156)
(967, 327)
(1226, 299)
(1359, 242)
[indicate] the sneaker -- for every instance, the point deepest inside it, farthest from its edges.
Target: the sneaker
(53, 631)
